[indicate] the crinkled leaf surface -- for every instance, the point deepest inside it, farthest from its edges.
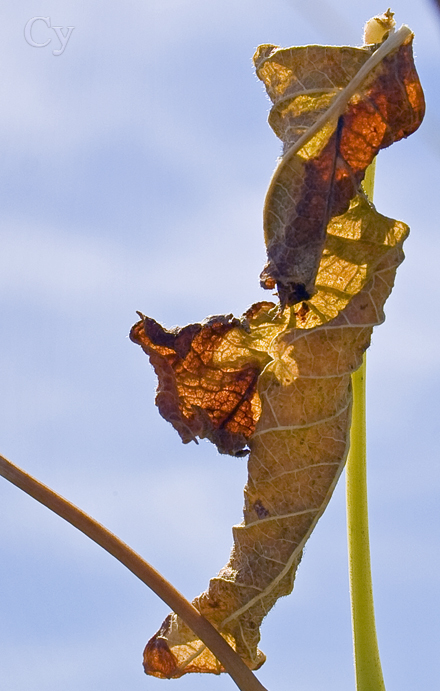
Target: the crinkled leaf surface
(279, 380)
(208, 374)
(319, 176)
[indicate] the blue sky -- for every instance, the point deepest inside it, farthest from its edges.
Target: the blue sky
(133, 173)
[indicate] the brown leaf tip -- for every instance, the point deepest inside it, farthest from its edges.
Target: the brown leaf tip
(159, 661)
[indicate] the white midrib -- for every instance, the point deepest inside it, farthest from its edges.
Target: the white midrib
(340, 102)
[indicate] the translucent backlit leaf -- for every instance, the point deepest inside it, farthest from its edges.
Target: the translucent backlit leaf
(208, 373)
(278, 380)
(321, 169)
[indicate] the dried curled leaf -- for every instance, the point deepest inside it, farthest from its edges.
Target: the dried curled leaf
(300, 443)
(280, 379)
(321, 170)
(208, 389)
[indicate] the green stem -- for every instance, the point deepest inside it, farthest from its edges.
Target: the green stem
(366, 651)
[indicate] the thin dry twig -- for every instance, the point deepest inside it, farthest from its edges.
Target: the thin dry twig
(242, 675)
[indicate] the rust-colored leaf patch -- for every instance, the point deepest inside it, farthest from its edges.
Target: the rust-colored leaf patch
(201, 394)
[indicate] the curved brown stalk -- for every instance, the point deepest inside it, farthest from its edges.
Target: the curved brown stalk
(242, 675)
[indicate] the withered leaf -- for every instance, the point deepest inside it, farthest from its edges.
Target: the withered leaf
(321, 170)
(207, 388)
(300, 442)
(279, 379)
